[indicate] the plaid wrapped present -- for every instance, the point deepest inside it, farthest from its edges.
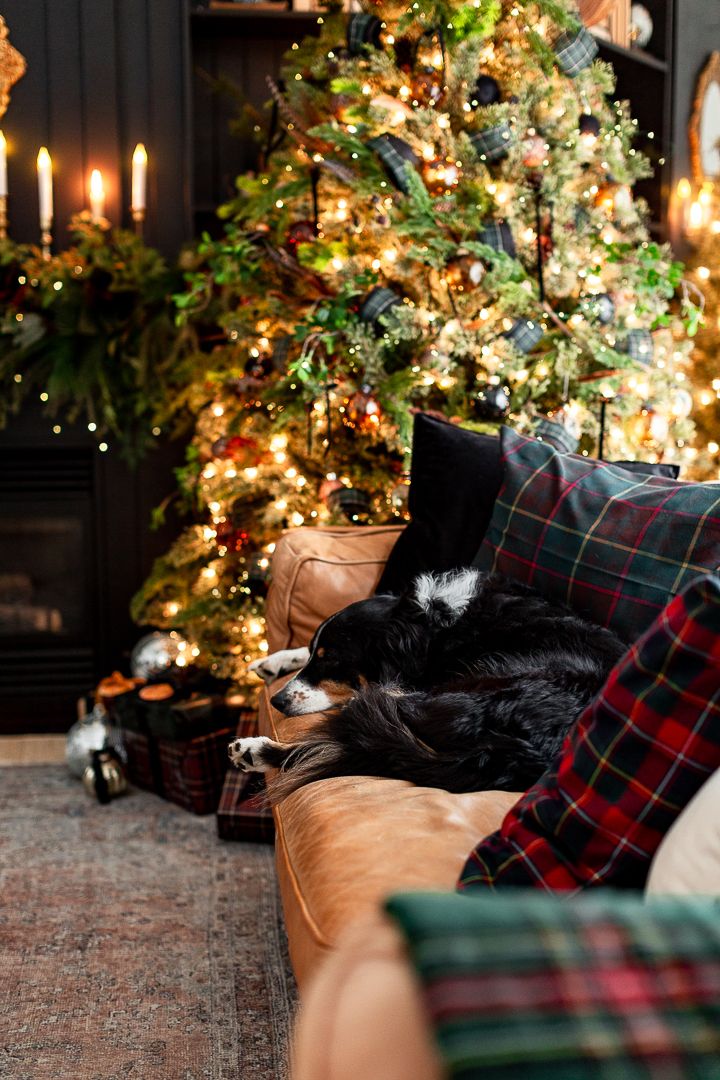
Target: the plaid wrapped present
(244, 812)
(492, 144)
(574, 51)
(614, 545)
(178, 749)
(397, 156)
(628, 768)
(524, 334)
(604, 987)
(497, 235)
(377, 303)
(638, 344)
(363, 30)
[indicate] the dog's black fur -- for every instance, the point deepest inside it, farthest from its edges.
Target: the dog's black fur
(467, 682)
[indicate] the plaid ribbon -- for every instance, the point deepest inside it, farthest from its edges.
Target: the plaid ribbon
(397, 157)
(638, 344)
(628, 768)
(363, 30)
(524, 334)
(575, 50)
(492, 143)
(601, 988)
(377, 303)
(556, 434)
(614, 545)
(497, 235)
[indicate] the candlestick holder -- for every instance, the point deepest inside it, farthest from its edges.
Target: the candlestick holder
(138, 217)
(3, 217)
(46, 243)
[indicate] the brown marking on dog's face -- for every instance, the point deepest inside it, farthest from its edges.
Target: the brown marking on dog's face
(336, 691)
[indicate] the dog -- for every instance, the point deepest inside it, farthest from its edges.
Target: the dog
(468, 682)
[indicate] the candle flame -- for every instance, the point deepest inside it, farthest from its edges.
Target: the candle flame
(696, 216)
(139, 155)
(96, 185)
(3, 141)
(684, 189)
(44, 161)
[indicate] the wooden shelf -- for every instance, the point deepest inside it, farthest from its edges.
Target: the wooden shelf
(636, 56)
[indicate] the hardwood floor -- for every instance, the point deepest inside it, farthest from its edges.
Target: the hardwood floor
(32, 749)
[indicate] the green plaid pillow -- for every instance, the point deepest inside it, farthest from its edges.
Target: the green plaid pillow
(533, 987)
(614, 545)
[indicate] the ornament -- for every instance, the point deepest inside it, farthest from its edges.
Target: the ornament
(641, 26)
(492, 143)
(230, 537)
(491, 402)
(555, 433)
(463, 272)
(534, 151)
(300, 232)
(638, 344)
(328, 485)
(397, 157)
(363, 30)
(681, 403)
(599, 308)
(485, 92)
(92, 732)
(378, 302)
(574, 51)
(614, 199)
(440, 175)
(400, 496)
(497, 235)
(427, 86)
(353, 503)
(105, 776)
(362, 411)
(648, 428)
(524, 334)
(240, 450)
(589, 128)
(155, 653)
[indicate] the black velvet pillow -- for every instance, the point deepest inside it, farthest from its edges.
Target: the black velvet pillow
(455, 478)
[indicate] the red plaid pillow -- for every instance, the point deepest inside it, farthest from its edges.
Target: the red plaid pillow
(633, 761)
(612, 544)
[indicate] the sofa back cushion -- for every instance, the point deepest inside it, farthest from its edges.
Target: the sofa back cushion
(627, 769)
(316, 572)
(613, 545)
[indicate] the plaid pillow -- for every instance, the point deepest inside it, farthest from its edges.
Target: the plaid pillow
(629, 766)
(614, 546)
(599, 988)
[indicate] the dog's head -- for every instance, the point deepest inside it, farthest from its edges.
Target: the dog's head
(385, 639)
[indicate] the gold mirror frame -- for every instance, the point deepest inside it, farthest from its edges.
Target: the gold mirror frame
(710, 74)
(12, 67)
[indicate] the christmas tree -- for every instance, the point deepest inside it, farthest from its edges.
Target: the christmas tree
(444, 220)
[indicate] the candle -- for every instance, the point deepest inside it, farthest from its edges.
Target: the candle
(684, 195)
(3, 167)
(695, 217)
(97, 196)
(139, 180)
(45, 189)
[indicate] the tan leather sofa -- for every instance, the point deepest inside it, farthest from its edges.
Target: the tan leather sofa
(344, 844)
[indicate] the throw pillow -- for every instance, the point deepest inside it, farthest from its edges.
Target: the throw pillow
(529, 986)
(455, 478)
(627, 769)
(612, 545)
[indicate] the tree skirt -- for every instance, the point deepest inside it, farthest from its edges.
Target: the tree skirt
(134, 942)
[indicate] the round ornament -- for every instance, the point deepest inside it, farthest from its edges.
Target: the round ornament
(155, 653)
(440, 175)
(464, 272)
(327, 486)
(641, 26)
(599, 308)
(378, 302)
(397, 156)
(300, 232)
(491, 402)
(362, 411)
(589, 127)
(353, 503)
(524, 334)
(485, 92)
(534, 151)
(362, 31)
(105, 776)
(574, 51)
(681, 403)
(638, 344)
(427, 86)
(492, 143)
(93, 732)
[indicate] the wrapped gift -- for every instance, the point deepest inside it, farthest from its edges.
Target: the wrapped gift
(177, 746)
(244, 812)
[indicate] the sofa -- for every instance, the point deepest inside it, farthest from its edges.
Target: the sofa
(343, 845)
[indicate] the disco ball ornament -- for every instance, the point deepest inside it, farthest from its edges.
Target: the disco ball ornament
(155, 653)
(353, 503)
(92, 732)
(491, 402)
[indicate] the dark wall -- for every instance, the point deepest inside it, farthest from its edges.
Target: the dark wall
(102, 76)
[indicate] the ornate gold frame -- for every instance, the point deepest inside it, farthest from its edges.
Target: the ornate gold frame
(12, 67)
(709, 74)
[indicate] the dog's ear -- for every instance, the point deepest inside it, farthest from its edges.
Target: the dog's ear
(441, 599)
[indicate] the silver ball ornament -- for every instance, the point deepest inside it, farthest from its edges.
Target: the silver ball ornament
(92, 732)
(155, 653)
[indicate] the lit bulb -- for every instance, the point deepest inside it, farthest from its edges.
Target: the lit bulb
(217, 410)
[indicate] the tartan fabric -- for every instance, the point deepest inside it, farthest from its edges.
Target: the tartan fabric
(556, 434)
(492, 143)
(614, 545)
(524, 334)
(363, 30)
(377, 303)
(639, 345)
(628, 767)
(574, 51)
(497, 235)
(604, 987)
(188, 773)
(243, 812)
(397, 157)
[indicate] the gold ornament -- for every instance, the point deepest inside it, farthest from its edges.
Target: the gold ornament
(441, 175)
(12, 67)
(105, 778)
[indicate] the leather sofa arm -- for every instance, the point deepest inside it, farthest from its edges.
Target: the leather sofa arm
(318, 571)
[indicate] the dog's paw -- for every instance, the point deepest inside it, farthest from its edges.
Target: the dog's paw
(246, 754)
(272, 667)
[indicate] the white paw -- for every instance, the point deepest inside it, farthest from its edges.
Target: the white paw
(272, 667)
(245, 753)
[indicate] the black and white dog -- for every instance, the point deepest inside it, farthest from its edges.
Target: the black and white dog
(467, 682)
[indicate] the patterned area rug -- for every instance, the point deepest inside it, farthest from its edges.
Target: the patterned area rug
(133, 942)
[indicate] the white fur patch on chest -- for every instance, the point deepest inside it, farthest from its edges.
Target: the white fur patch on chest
(455, 589)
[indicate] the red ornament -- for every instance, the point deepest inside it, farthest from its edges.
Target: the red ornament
(229, 537)
(362, 411)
